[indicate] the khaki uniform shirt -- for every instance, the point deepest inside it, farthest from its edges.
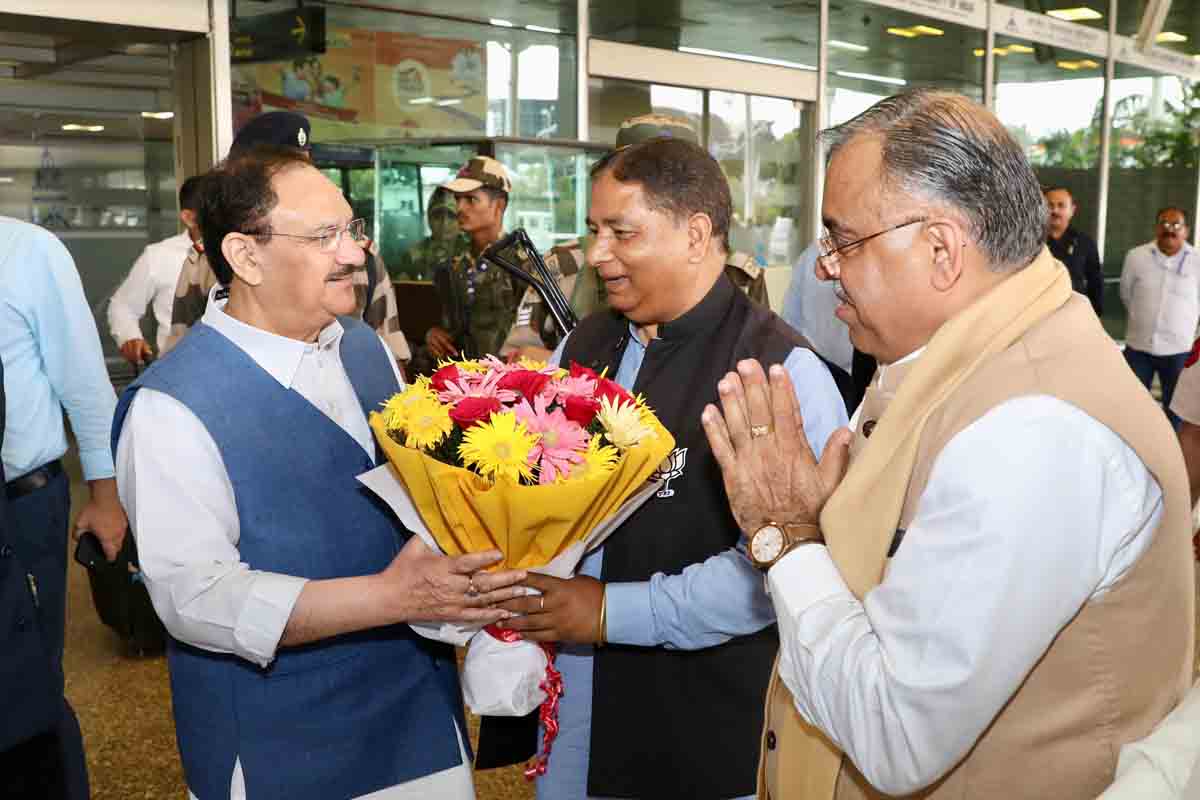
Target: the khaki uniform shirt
(582, 286)
(197, 279)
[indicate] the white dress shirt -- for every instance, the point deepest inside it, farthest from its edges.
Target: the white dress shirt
(1162, 296)
(151, 282)
(1028, 513)
(174, 487)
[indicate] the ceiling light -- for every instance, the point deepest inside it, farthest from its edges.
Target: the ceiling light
(1075, 14)
(1071, 65)
(453, 101)
(158, 114)
(1170, 36)
(866, 76)
(7, 179)
(542, 29)
(978, 52)
(421, 101)
(907, 33)
(928, 31)
(1019, 48)
(700, 51)
(840, 45)
(501, 23)
(71, 126)
(1088, 63)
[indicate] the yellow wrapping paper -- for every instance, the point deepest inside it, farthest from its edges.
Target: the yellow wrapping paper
(530, 525)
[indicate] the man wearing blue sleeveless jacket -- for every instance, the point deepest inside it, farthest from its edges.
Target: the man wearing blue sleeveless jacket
(284, 584)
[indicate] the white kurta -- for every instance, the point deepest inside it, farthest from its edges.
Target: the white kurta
(1028, 513)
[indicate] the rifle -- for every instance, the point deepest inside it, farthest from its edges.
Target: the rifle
(540, 279)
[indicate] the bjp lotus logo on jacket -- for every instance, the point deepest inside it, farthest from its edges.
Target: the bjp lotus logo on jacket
(670, 469)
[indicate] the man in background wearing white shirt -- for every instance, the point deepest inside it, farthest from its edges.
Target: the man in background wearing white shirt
(152, 281)
(284, 583)
(1160, 287)
(997, 594)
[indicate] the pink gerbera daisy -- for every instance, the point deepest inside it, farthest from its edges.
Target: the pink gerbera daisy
(472, 384)
(561, 442)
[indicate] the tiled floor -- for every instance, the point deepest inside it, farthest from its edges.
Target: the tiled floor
(124, 705)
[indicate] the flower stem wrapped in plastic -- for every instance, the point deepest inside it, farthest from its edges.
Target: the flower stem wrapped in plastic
(538, 462)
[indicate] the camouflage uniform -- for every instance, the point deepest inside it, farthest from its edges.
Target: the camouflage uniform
(447, 242)
(197, 279)
(479, 300)
(582, 285)
(479, 304)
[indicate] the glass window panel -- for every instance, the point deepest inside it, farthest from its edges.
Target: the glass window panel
(550, 191)
(387, 74)
(785, 31)
(408, 175)
(762, 145)
(875, 52)
(1052, 102)
(1153, 164)
(106, 191)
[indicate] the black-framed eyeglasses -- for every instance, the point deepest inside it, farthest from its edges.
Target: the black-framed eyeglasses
(331, 239)
(1171, 226)
(831, 251)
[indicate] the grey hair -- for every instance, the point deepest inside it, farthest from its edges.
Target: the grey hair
(945, 148)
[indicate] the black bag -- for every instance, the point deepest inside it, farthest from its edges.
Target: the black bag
(120, 597)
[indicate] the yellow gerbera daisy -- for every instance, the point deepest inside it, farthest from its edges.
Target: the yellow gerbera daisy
(464, 365)
(598, 460)
(427, 422)
(623, 423)
(499, 448)
(395, 410)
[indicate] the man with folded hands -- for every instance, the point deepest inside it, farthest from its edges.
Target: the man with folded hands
(956, 619)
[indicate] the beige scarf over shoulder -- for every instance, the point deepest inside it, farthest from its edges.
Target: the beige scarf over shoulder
(861, 517)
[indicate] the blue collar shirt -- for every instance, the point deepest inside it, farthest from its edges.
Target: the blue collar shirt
(52, 359)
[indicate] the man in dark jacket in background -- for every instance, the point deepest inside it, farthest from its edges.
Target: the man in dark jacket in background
(1074, 248)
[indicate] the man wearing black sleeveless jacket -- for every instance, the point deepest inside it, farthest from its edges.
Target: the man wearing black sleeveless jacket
(671, 706)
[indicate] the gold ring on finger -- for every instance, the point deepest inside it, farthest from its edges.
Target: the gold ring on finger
(541, 602)
(471, 590)
(759, 430)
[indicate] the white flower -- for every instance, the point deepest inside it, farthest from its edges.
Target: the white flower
(622, 421)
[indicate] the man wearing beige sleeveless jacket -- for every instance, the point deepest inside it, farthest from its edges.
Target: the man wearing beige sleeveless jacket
(985, 589)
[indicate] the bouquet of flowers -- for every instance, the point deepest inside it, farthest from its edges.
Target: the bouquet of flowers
(536, 461)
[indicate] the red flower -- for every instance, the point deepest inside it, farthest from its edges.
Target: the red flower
(581, 410)
(443, 376)
(471, 411)
(580, 371)
(1193, 356)
(525, 381)
(613, 391)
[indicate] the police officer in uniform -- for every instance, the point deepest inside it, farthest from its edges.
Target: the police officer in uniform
(445, 242)
(533, 333)
(479, 300)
